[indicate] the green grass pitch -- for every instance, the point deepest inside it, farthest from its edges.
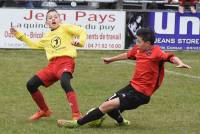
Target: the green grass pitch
(173, 109)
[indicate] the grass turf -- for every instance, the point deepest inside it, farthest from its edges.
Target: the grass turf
(173, 109)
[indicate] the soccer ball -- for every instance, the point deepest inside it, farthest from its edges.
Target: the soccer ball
(95, 123)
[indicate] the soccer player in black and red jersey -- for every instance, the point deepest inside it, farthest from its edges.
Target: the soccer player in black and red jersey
(148, 76)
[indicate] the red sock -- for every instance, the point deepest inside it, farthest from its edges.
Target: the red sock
(71, 97)
(39, 99)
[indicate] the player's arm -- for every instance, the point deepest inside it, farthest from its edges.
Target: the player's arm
(122, 56)
(179, 63)
(22, 37)
(173, 59)
(79, 34)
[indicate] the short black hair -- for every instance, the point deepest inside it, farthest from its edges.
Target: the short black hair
(51, 10)
(146, 34)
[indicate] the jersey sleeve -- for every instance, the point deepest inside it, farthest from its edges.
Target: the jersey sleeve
(131, 53)
(37, 44)
(78, 31)
(166, 57)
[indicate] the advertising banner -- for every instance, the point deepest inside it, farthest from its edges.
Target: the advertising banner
(106, 29)
(174, 31)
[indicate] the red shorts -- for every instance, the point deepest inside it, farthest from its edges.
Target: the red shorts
(55, 69)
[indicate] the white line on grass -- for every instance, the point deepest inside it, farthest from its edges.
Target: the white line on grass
(168, 71)
(181, 74)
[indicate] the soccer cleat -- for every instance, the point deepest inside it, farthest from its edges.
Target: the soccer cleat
(76, 116)
(67, 123)
(40, 114)
(124, 123)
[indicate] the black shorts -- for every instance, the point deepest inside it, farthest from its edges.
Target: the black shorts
(130, 98)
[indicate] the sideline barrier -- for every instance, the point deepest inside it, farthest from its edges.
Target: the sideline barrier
(107, 30)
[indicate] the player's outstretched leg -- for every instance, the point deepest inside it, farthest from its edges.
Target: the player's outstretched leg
(70, 95)
(32, 86)
(93, 115)
(116, 114)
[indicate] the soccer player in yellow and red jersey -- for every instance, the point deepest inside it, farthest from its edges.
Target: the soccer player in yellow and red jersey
(148, 76)
(60, 47)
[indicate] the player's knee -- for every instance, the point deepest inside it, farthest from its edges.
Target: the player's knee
(66, 86)
(104, 107)
(65, 82)
(107, 106)
(33, 84)
(31, 87)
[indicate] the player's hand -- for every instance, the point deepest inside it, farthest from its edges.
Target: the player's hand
(107, 60)
(182, 65)
(75, 41)
(13, 31)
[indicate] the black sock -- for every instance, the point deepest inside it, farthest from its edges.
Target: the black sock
(115, 114)
(91, 116)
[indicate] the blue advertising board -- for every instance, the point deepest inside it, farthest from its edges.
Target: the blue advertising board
(174, 31)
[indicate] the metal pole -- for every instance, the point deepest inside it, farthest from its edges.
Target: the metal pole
(120, 4)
